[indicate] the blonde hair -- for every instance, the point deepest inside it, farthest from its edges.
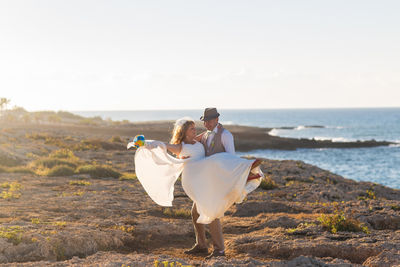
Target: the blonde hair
(178, 134)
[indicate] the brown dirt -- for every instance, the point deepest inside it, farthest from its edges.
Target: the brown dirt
(112, 222)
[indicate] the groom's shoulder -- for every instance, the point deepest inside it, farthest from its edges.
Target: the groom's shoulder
(226, 132)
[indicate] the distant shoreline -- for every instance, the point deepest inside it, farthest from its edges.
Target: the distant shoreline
(247, 138)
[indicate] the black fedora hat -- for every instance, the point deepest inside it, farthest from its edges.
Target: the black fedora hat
(209, 114)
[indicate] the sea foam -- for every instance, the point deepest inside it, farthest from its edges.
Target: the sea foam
(333, 139)
(274, 132)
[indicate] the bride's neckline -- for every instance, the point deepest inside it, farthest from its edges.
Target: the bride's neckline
(194, 142)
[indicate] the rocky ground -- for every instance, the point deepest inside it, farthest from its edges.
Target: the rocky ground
(54, 212)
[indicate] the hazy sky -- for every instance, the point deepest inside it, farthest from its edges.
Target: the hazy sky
(125, 55)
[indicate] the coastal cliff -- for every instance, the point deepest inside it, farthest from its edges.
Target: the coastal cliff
(69, 197)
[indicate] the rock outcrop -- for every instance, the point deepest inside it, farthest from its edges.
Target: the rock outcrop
(301, 215)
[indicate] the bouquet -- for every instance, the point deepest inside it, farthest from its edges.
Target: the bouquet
(137, 142)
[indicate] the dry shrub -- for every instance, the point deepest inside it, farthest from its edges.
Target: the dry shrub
(128, 176)
(80, 183)
(59, 163)
(48, 163)
(97, 144)
(63, 154)
(61, 170)
(59, 157)
(98, 171)
(177, 213)
(8, 161)
(116, 139)
(37, 136)
(20, 169)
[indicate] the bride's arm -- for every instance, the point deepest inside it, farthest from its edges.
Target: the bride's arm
(174, 148)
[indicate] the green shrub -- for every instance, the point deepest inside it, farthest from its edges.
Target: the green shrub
(61, 170)
(395, 207)
(12, 190)
(12, 234)
(369, 194)
(340, 222)
(98, 171)
(268, 184)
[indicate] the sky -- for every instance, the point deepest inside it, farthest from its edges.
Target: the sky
(135, 55)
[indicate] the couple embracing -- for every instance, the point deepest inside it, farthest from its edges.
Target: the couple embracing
(212, 175)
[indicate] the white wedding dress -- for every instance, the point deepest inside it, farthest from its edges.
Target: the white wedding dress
(214, 183)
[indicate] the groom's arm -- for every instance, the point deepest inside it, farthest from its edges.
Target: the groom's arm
(227, 142)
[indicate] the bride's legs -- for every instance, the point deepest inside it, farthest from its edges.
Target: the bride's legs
(216, 235)
(199, 228)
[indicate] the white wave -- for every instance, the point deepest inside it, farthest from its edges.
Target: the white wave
(341, 139)
(301, 127)
(274, 132)
(333, 139)
(335, 127)
(322, 138)
(395, 145)
(227, 122)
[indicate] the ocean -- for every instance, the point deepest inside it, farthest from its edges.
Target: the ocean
(378, 164)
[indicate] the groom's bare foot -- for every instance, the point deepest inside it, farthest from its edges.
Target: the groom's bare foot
(196, 249)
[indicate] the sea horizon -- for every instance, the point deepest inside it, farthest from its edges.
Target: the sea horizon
(192, 109)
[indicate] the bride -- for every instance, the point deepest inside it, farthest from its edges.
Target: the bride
(214, 183)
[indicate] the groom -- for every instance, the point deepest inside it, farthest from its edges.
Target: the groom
(215, 140)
